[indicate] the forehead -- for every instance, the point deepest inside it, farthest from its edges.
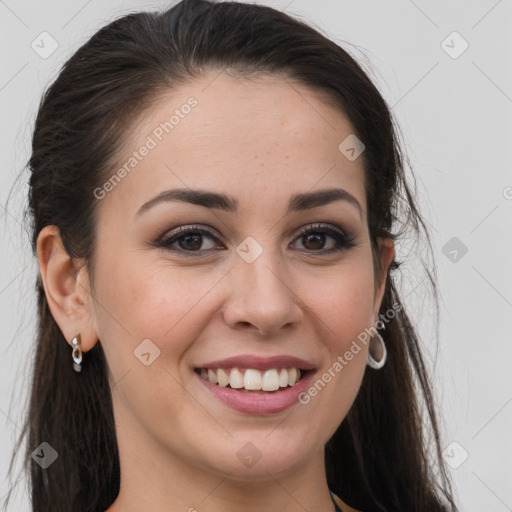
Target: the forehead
(239, 136)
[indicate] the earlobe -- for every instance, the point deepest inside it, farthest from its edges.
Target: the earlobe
(68, 298)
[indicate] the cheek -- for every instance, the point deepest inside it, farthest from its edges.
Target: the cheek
(159, 303)
(342, 300)
(172, 306)
(342, 308)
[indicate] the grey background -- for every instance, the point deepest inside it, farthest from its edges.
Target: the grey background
(455, 117)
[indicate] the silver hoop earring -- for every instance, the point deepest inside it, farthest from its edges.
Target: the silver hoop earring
(376, 365)
(77, 353)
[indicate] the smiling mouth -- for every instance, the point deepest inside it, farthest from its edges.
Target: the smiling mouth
(250, 380)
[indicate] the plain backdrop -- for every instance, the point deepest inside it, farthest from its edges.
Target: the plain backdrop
(445, 69)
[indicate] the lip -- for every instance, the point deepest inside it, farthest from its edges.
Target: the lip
(259, 363)
(258, 404)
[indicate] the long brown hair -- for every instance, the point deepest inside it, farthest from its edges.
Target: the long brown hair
(379, 459)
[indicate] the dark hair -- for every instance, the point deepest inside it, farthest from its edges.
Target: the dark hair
(379, 459)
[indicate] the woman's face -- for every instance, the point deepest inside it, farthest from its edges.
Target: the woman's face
(243, 282)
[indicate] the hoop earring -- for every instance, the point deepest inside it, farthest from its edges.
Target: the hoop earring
(77, 353)
(376, 365)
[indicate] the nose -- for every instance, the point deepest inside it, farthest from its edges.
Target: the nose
(261, 296)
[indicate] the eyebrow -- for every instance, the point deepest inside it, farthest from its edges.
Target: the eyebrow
(208, 199)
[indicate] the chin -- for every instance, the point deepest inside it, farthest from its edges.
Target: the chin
(258, 457)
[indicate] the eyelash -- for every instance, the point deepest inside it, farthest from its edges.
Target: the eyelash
(343, 241)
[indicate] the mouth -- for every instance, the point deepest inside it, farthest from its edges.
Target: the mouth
(253, 380)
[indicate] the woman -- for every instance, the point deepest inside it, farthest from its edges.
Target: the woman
(215, 194)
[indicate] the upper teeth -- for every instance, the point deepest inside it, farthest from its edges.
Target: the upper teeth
(267, 380)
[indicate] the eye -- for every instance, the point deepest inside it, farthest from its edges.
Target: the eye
(188, 238)
(314, 238)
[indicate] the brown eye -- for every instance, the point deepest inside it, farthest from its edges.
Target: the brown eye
(314, 240)
(191, 242)
(316, 236)
(187, 239)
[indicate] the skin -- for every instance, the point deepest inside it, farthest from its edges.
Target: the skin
(178, 445)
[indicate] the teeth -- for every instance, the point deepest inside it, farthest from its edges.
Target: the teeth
(270, 381)
(236, 379)
(251, 379)
(293, 375)
(212, 376)
(222, 377)
(283, 378)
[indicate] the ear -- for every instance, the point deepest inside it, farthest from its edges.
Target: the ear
(67, 288)
(386, 252)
